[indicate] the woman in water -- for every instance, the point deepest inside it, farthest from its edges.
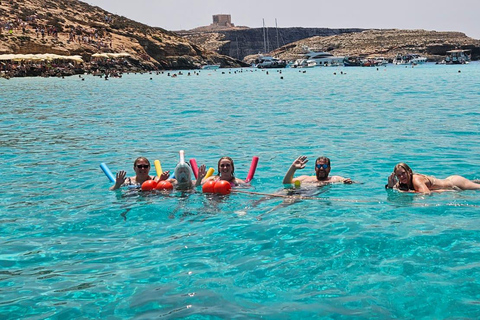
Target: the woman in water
(141, 166)
(226, 170)
(415, 182)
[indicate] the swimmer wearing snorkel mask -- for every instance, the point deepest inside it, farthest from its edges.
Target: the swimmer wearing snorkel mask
(183, 175)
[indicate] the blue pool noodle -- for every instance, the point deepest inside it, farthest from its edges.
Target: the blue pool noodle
(107, 172)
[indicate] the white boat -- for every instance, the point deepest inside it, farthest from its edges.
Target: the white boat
(210, 66)
(267, 62)
(379, 61)
(457, 57)
(323, 59)
(409, 59)
(304, 63)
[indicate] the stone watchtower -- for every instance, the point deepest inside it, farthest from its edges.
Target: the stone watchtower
(222, 20)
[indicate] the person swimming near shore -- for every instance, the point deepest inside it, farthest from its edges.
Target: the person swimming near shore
(141, 166)
(416, 182)
(226, 171)
(322, 171)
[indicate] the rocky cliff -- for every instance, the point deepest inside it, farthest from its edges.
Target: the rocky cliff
(386, 43)
(71, 27)
(242, 42)
(290, 43)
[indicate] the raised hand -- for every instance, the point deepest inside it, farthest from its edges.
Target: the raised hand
(202, 172)
(300, 162)
(164, 175)
(120, 179)
(392, 180)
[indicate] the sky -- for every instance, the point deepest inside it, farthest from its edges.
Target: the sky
(438, 15)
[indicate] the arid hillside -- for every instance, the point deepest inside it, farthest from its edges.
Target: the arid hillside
(386, 43)
(70, 27)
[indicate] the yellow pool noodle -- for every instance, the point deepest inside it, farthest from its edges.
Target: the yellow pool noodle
(158, 167)
(209, 173)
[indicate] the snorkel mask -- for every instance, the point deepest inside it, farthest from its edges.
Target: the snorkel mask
(182, 170)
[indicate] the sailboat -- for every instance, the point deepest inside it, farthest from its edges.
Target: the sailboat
(268, 62)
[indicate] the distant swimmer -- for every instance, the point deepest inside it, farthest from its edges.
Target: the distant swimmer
(141, 166)
(322, 170)
(226, 171)
(416, 182)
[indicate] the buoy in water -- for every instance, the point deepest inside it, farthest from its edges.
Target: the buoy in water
(164, 185)
(222, 187)
(209, 187)
(149, 185)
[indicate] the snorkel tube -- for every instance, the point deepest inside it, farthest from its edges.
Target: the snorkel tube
(182, 170)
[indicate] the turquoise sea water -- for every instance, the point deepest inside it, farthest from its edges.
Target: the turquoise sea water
(72, 249)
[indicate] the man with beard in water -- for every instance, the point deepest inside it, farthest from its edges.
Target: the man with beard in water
(310, 189)
(322, 170)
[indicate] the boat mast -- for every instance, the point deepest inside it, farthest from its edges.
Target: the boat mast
(264, 38)
(276, 27)
(268, 43)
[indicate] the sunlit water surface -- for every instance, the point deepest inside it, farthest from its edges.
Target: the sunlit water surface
(72, 249)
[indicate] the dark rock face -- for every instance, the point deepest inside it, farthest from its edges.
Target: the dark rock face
(239, 43)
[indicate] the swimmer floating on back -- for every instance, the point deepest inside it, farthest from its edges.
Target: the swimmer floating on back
(141, 166)
(415, 182)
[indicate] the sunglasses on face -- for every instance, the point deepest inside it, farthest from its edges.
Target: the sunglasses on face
(324, 166)
(225, 165)
(143, 166)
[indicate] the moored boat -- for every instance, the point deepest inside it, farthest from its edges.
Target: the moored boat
(210, 66)
(375, 62)
(409, 59)
(353, 62)
(304, 63)
(266, 62)
(457, 57)
(323, 59)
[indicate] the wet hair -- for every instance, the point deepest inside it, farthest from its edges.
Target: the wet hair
(231, 161)
(140, 159)
(408, 170)
(324, 159)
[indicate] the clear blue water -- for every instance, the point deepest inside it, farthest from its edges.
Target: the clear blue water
(72, 249)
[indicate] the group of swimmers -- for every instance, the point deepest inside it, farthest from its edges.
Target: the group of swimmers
(182, 177)
(402, 178)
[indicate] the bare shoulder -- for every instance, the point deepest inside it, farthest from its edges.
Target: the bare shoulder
(306, 179)
(211, 178)
(239, 181)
